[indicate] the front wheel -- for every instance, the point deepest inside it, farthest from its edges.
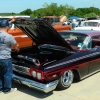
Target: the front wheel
(65, 80)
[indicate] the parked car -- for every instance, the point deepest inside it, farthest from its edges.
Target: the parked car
(20, 36)
(90, 25)
(57, 22)
(76, 21)
(57, 58)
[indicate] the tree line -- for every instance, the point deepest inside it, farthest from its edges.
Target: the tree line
(54, 10)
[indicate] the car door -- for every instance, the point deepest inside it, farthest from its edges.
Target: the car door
(94, 64)
(91, 58)
(83, 65)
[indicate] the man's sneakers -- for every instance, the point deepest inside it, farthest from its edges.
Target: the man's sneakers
(12, 90)
(0, 91)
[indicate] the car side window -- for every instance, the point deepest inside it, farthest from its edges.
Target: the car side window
(12, 26)
(85, 24)
(15, 26)
(87, 43)
(95, 41)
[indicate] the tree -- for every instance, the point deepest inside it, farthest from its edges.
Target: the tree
(26, 12)
(86, 12)
(50, 10)
(54, 10)
(91, 15)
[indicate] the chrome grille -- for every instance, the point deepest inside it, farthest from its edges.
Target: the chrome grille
(21, 69)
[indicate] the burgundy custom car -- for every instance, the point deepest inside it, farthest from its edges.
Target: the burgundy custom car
(57, 58)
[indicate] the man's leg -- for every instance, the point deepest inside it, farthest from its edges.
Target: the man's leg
(1, 77)
(7, 75)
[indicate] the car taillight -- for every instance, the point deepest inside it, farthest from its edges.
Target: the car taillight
(33, 73)
(36, 74)
(39, 76)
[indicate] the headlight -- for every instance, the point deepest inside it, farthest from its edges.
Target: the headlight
(34, 73)
(38, 75)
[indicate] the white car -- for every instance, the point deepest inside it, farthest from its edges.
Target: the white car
(90, 25)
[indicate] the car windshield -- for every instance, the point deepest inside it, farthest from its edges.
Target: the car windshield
(78, 40)
(90, 23)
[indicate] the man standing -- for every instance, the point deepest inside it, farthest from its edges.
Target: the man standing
(6, 72)
(79, 23)
(73, 23)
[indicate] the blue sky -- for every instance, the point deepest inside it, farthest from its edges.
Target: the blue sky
(7, 6)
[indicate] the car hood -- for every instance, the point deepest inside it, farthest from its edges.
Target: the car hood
(87, 28)
(41, 32)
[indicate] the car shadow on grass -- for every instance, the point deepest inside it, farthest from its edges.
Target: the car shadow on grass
(31, 91)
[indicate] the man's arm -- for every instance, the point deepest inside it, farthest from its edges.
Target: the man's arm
(12, 20)
(16, 46)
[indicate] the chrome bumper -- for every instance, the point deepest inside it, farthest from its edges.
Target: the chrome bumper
(36, 85)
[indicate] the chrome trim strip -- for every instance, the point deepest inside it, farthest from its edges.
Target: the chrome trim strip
(73, 60)
(36, 85)
(89, 74)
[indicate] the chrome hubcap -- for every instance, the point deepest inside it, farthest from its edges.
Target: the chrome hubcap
(67, 78)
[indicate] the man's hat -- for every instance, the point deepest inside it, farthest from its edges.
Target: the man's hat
(4, 23)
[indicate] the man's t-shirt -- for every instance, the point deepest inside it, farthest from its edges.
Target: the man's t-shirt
(6, 40)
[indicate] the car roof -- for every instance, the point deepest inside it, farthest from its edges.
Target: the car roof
(92, 21)
(85, 32)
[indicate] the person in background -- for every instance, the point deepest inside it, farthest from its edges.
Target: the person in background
(79, 22)
(73, 23)
(6, 72)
